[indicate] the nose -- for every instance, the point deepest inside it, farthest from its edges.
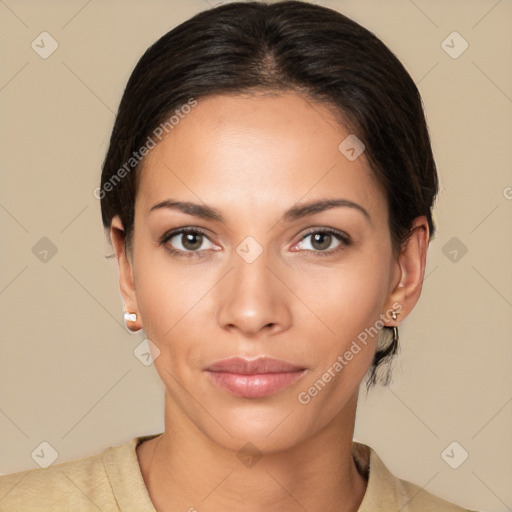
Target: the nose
(253, 299)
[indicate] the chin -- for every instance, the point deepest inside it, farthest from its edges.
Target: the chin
(270, 427)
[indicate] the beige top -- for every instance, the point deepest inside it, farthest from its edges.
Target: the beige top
(111, 481)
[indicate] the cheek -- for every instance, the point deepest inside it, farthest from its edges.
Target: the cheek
(347, 302)
(168, 304)
(172, 300)
(165, 292)
(348, 309)
(348, 298)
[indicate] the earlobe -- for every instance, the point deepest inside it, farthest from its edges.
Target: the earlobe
(411, 269)
(126, 281)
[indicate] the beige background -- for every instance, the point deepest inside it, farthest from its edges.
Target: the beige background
(68, 374)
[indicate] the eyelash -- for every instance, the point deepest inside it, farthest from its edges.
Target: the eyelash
(342, 237)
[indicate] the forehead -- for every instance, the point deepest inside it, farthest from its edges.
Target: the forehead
(263, 152)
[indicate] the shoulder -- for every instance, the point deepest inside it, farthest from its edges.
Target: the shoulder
(82, 484)
(385, 492)
(414, 498)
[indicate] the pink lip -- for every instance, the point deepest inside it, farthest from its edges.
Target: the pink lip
(254, 378)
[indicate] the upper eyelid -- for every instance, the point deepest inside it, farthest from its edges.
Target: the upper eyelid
(183, 231)
(325, 229)
(342, 237)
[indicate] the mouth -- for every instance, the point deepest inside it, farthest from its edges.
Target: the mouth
(254, 378)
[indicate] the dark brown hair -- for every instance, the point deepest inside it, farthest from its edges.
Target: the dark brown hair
(246, 47)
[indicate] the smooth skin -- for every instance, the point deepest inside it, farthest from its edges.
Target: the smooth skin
(304, 299)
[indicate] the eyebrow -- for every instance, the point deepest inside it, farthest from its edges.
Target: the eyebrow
(294, 213)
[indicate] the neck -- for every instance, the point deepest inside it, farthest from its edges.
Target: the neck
(185, 470)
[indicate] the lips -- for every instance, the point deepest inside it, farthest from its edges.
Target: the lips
(254, 378)
(252, 366)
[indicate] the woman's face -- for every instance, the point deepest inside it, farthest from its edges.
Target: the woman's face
(270, 279)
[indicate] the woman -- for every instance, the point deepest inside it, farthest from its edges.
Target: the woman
(268, 193)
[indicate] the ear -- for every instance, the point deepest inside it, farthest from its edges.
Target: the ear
(125, 266)
(409, 272)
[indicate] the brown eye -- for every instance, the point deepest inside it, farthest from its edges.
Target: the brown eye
(324, 242)
(186, 242)
(191, 241)
(321, 241)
